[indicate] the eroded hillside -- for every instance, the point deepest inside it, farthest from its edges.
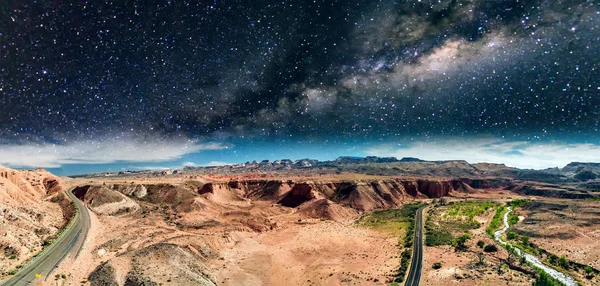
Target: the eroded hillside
(33, 209)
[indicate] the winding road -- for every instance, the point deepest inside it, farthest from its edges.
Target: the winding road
(414, 274)
(69, 242)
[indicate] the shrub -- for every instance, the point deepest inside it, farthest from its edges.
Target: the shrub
(543, 279)
(490, 248)
(513, 219)
(459, 242)
(403, 266)
(525, 240)
(14, 256)
(553, 259)
(522, 260)
(437, 265)
(511, 235)
(480, 244)
(563, 262)
(588, 269)
(438, 237)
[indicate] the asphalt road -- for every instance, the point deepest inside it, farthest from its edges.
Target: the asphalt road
(70, 242)
(414, 274)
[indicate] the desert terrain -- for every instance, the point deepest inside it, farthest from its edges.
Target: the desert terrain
(344, 225)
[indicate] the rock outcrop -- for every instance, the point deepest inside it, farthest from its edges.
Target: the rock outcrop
(299, 194)
(105, 201)
(33, 208)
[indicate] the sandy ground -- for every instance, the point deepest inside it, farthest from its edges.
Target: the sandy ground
(462, 268)
(324, 253)
(573, 231)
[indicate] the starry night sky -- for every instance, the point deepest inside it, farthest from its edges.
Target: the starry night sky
(279, 73)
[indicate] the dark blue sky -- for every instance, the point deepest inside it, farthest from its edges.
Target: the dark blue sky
(79, 80)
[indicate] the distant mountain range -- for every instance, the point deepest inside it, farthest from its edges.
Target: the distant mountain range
(576, 172)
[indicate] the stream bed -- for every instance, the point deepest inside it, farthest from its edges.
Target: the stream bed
(564, 278)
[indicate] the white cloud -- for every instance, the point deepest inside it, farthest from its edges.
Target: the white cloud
(522, 155)
(99, 152)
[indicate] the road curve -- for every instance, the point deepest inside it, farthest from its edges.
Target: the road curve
(69, 242)
(416, 265)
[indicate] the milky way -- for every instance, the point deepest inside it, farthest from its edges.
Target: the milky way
(298, 70)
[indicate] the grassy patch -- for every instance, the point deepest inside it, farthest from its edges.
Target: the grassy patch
(466, 211)
(457, 218)
(518, 203)
(397, 222)
(544, 279)
(496, 222)
(406, 254)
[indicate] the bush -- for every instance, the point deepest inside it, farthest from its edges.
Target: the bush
(588, 269)
(403, 265)
(437, 265)
(438, 237)
(543, 279)
(14, 256)
(480, 244)
(525, 240)
(496, 220)
(460, 241)
(511, 235)
(563, 262)
(490, 248)
(553, 259)
(513, 219)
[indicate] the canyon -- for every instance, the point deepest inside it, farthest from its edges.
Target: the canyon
(208, 226)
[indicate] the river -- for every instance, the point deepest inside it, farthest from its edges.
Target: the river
(565, 279)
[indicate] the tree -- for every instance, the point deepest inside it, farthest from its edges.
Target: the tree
(490, 248)
(563, 262)
(480, 244)
(588, 269)
(512, 254)
(437, 265)
(481, 258)
(523, 260)
(511, 235)
(443, 201)
(525, 240)
(553, 259)
(460, 242)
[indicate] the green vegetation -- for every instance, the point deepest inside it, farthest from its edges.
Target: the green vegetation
(460, 242)
(563, 262)
(511, 235)
(588, 269)
(457, 218)
(467, 210)
(480, 243)
(518, 203)
(513, 219)
(14, 256)
(399, 222)
(490, 248)
(543, 279)
(525, 240)
(403, 265)
(496, 221)
(437, 265)
(437, 237)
